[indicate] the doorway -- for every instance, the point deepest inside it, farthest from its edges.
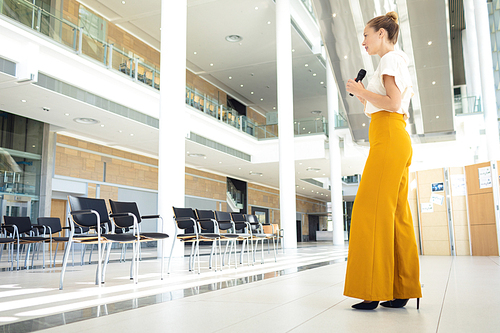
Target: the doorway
(299, 231)
(313, 227)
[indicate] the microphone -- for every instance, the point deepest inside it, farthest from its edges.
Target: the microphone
(360, 77)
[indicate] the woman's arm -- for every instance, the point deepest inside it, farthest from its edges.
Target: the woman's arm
(389, 102)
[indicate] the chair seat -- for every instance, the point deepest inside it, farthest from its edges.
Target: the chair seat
(32, 239)
(230, 235)
(154, 235)
(6, 240)
(59, 239)
(122, 238)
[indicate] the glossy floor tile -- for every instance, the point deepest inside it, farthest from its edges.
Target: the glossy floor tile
(301, 292)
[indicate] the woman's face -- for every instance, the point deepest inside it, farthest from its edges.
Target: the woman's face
(372, 40)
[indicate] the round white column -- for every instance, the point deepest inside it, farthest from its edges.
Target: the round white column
(470, 50)
(172, 133)
(335, 158)
(487, 80)
(285, 123)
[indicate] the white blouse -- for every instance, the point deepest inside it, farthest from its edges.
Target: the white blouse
(394, 63)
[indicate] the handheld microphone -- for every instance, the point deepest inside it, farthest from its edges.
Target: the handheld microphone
(360, 77)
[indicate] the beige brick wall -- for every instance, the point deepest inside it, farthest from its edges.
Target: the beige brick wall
(206, 185)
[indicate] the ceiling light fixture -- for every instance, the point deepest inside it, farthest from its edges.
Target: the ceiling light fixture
(102, 125)
(363, 125)
(334, 14)
(345, 57)
(429, 42)
(195, 52)
(433, 82)
(321, 82)
(241, 85)
(256, 8)
(234, 38)
(251, 92)
(316, 112)
(314, 74)
(66, 114)
(131, 134)
(86, 121)
(437, 117)
(123, 2)
(230, 78)
(211, 64)
(306, 65)
(261, 99)
(268, 22)
(196, 155)
(23, 100)
(255, 173)
(312, 169)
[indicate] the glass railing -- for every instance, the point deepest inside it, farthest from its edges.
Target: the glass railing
(467, 105)
(354, 179)
(121, 60)
(237, 195)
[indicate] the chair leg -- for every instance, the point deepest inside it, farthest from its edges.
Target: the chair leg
(198, 247)
(132, 264)
(274, 248)
(224, 256)
(55, 256)
(242, 251)
(162, 257)
(211, 255)
(170, 257)
(235, 254)
(191, 256)
(106, 261)
(64, 263)
(262, 250)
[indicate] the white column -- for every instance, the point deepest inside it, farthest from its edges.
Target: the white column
(335, 162)
(171, 164)
(487, 80)
(285, 122)
(470, 50)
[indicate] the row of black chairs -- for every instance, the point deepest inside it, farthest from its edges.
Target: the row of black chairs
(91, 224)
(217, 226)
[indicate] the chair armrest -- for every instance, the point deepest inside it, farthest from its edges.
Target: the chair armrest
(150, 217)
(120, 215)
(81, 212)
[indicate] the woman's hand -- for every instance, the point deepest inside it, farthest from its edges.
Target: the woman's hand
(356, 88)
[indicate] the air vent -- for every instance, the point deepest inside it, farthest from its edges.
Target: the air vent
(313, 182)
(65, 89)
(218, 146)
(7, 67)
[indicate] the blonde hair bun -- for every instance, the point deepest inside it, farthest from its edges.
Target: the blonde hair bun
(393, 16)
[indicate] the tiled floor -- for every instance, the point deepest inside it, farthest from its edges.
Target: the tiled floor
(302, 292)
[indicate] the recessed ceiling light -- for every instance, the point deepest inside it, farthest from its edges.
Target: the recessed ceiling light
(102, 125)
(429, 42)
(234, 38)
(437, 117)
(251, 92)
(274, 108)
(211, 64)
(433, 82)
(239, 168)
(334, 14)
(293, 50)
(123, 2)
(66, 114)
(196, 155)
(86, 121)
(345, 57)
(316, 112)
(220, 162)
(230, 78)
(255, 173)
(195, 52)
(256, 8)
(23, 100)
(312, 191)
(312, 169)
(261, 99)
(33, 146)
(303, 188)
(268, 22)
(131, 134)
(321, 82)
(241, 85)
(306, 65)
(364, 125)
(303, 128)
(314, 74)
(119, 131)
(300, 163)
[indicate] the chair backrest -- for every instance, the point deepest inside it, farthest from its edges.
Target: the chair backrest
(239, 220)
(183, 217)
(118, 207)
(254, 221)
(224, 220)
(205, 218)
(89, 220)
(53, 222)
(23, 223)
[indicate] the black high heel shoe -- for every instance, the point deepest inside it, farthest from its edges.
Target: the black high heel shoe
(366, 306)
(398, 303)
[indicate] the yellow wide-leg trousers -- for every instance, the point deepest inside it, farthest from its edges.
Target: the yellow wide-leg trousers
(383, 261)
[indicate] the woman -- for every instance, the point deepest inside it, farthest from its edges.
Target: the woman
(383, 263)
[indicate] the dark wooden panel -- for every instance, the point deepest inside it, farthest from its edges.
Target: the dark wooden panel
(484, 240)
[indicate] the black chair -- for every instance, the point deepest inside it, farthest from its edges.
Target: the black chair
(225, 222)
(17, 226)
(4, 241)
(241, 223)
(51, 226)
(258, 234)
(93, 214)
(120, 207)
(185, 218)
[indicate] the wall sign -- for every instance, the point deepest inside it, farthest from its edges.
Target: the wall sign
(484, 177)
